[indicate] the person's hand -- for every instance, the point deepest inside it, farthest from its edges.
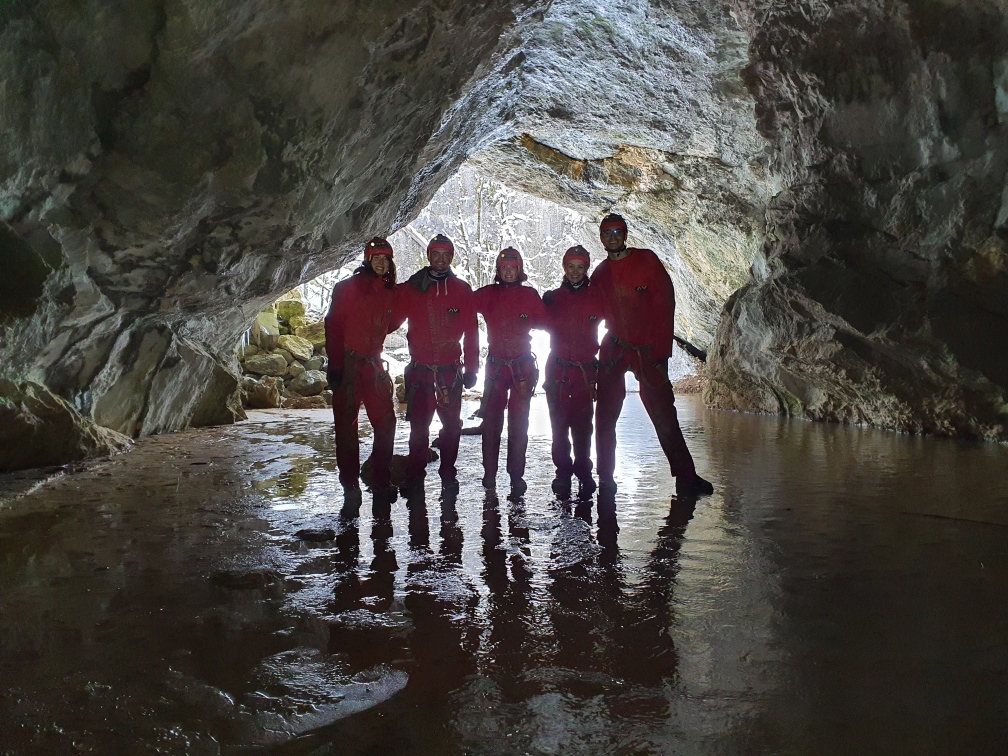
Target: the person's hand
(335, 378)
(469, 380)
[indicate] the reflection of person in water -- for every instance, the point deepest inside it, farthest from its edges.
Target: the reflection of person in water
(603, 623)
(512, 628)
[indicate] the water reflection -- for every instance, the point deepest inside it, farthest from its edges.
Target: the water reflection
(840, 579)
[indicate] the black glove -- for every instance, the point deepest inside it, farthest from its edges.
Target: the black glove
(335, 378)
(469, 380)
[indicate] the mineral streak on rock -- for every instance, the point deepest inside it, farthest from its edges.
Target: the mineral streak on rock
(834, 172)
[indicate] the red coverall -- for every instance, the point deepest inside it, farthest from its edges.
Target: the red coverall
(572, 318)
(359, 318)
(511, 311)
(639, 306)
(440, 313)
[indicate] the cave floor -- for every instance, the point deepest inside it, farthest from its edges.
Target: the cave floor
(842, 591)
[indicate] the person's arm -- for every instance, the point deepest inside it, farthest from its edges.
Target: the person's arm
(334, 333)
(470, 344)
(664, 317)
(548, 314)
(538, 312)
(400, 306)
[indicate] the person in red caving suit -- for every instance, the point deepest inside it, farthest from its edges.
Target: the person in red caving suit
(573, 313)
(511, 311)
(639, 303)
(441, 312)
(359, 318)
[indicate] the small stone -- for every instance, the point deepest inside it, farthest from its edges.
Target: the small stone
(315, 363)
(327, 397)
(250, 350)
(301, 348)
(288, 357)
(295, 369)
(266, 364)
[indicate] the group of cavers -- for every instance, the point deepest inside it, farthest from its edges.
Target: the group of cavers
(630, 291)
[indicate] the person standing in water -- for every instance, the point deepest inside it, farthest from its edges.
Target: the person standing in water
(360, 316)
(639, 302)
(511, 311)
(573, 314)
(441, 313)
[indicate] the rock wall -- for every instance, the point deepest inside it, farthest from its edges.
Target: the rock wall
(881, 293)
(168, 168)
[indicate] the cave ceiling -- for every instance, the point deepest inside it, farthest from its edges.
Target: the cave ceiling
(825, 182)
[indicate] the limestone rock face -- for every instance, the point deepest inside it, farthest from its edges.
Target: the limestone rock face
(167, 169)
(881, 293)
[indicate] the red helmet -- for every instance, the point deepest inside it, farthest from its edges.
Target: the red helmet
(441, 242)
(577, 253)
(377, 246)
(612, 221)
(510, 258)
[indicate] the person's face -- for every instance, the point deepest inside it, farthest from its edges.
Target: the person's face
(613, 239)
(508, 274)
(439, 259)
(380, 264)
(575, 270)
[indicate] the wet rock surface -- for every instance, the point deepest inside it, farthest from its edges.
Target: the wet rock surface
(843, 586)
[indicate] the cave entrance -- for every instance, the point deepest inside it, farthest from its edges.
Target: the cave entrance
(482, 215)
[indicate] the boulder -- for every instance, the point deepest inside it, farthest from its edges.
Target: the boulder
(38, 429)
(290, 308)
(263, 393)
(309, 383)
(301, 348)
(288, 357)
(313, 332)
(315, 363)
(157, 381)
(265, 329)
(327, 397)
(297, 321)
(248, 351)
(266, 364)
(295, 369)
